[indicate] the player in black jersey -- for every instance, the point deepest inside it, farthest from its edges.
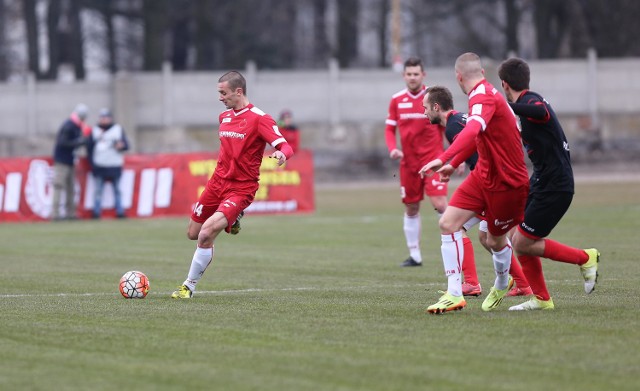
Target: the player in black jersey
(551, 187)
(438, 107)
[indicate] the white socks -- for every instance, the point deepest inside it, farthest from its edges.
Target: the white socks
(452, 255)
(412, 227)
(201, 259)
(502, 264)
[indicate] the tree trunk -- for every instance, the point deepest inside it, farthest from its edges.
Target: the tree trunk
(382, 33)
(53, 35)
(347, 32)
(77, 51)
(155, 22)
(204, 35)
(511, 30)
(31, 22)
(321, 44)
(180, 35)
(4, 71)
(107, 14)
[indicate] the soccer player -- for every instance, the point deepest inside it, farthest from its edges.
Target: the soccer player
(551, 188)
(420, 142)
(498, 185)
(244, 132)
(438, 106)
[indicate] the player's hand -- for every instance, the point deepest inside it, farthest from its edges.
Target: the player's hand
(461, 169)
(280, 156)
(429, 168)
(445, 172)
(396, 154)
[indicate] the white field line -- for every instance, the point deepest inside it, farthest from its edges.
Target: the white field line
(258, 290)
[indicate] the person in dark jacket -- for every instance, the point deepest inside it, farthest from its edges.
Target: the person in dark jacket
(70, 136)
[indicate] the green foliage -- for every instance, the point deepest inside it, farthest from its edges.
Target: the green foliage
(310, 302)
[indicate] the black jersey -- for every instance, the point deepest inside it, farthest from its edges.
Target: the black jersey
(455, 123)
(545, 144)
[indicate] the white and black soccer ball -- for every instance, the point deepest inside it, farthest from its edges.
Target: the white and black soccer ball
(134, 285)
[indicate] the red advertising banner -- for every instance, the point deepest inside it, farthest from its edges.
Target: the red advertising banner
(151, 185)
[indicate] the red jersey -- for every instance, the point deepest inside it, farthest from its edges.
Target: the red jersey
(420, 139)
(496, 131)
(243, 138)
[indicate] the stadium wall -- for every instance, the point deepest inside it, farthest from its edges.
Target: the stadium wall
(340, 112)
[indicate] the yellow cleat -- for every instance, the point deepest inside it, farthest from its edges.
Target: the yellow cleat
(182, 293)
(495, 296)
(447, 302)
(534, 304)
(590, 270)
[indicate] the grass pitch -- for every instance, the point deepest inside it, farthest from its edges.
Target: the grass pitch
(311, 302)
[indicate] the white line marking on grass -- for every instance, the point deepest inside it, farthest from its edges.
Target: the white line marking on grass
(258, 290)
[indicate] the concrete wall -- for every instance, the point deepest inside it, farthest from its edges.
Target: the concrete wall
(339, 111)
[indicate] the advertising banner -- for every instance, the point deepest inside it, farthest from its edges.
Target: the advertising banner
(151, 185)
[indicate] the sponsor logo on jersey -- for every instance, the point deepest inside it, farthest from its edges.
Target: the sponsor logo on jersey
(526, 227)
(502, 224)
(230, 134)
(228, 119)
(405, 105)
(565, 145)
(412, 116)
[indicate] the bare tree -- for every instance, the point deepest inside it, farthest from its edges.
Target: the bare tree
(347, 45)
(54, 38)
(31, 22)
(180, 21)
(4, 66)
(383, 12)
(205, 34)
(321, 43)
(155, 16)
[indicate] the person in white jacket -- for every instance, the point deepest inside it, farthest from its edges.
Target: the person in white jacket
(107, 145)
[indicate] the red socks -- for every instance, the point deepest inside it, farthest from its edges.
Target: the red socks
(563, 253)
(532, 268)
(517, 274)
(469, 263)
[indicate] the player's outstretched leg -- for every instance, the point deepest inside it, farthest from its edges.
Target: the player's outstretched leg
(590, 270)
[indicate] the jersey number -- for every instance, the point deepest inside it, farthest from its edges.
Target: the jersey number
(198, 209)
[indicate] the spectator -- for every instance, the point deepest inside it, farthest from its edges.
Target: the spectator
(70, 136)
(289, 130)
(107, 145)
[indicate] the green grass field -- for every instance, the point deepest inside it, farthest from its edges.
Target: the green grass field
(311, 302)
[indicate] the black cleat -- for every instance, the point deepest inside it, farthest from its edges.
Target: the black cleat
(235, 228)
(410, 262)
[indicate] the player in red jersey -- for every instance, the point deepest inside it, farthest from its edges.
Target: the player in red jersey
(551, 188)
(498, 185)
(420, 142)
(438, 106)
(244, 132)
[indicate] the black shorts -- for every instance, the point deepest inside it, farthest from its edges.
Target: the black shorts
(543, 212)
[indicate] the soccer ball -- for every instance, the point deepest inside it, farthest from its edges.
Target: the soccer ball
(134, 285)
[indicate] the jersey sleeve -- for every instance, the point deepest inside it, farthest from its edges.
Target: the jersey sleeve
(533, 108)
(391, 124)
(269, 131)
(482, 109)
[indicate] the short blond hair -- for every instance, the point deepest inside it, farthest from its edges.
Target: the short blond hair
(469, 65)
